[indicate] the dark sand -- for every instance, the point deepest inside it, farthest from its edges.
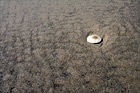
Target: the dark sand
(43, 46)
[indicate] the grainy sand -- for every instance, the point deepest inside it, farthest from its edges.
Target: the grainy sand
(43, 46)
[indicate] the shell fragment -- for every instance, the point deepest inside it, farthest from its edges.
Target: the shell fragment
(94, 39)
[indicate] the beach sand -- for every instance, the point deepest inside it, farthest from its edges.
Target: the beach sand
(43, 46)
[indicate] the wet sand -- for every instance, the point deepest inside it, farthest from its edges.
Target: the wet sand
(44, 50)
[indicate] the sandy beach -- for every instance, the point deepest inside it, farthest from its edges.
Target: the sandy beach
(43, 47)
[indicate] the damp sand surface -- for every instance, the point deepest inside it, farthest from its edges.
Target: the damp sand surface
(43, 46)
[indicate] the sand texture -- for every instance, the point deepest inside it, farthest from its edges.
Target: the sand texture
(43, 46)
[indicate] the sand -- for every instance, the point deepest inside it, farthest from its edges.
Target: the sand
(43, 46)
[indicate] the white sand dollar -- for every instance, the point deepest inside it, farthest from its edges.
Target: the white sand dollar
(94, 39)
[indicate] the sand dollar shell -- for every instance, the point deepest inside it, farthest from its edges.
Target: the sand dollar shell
(94, 39)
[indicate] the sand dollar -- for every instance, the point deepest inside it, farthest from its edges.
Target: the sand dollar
(94, 39)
